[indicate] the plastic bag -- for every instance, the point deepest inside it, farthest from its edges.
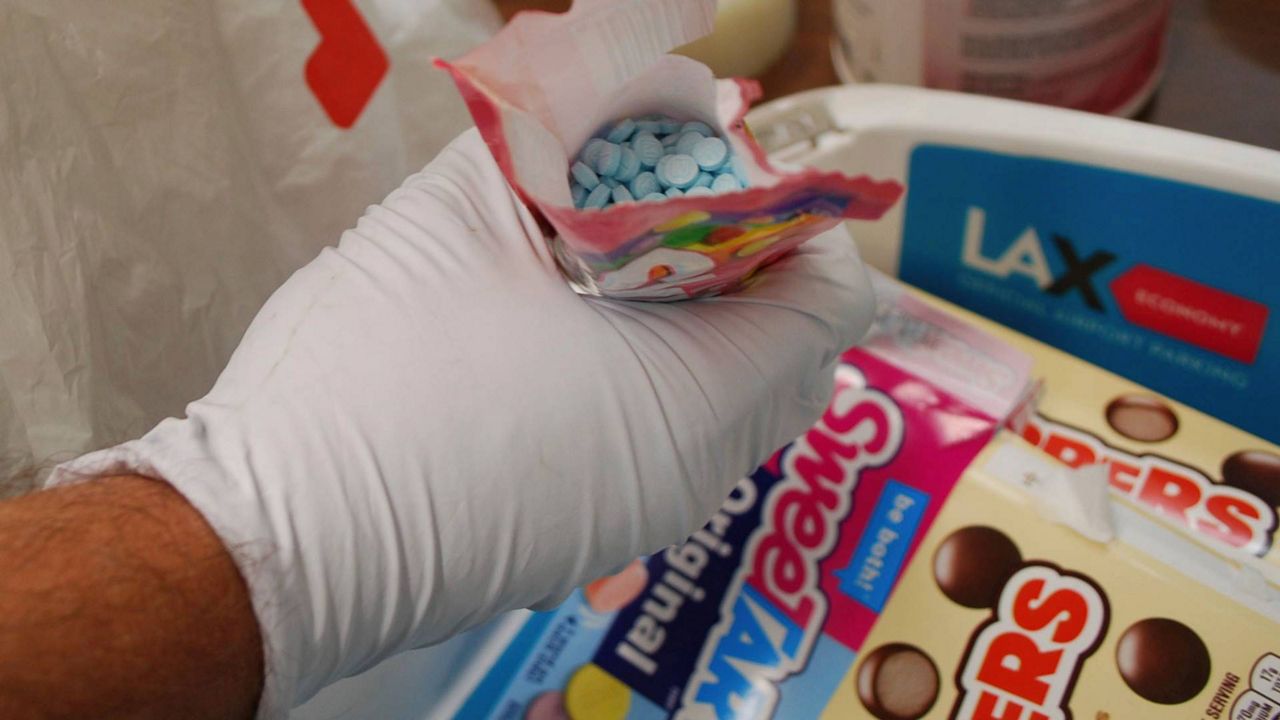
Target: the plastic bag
(541, 87)
(165, 164)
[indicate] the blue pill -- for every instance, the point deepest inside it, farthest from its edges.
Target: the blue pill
(677, 171)
(670, 126)
(688, 140)
(609, 159)
(726, 182)
(621, 131)
(653, 127)
(646, 183)
(584, 175)
(610, 182)
(710, 153)
(629, 166)
(704, 180)
(591, 152)
(698, 127)
(670, 140)
(654, 196)
(579, 194)
(673, 192)
(698, 192)
(648, 148)
(622, 195)
(598, 198)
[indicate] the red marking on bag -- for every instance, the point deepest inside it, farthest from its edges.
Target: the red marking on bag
(348, 64)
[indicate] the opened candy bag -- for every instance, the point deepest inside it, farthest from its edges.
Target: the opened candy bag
(548, 83)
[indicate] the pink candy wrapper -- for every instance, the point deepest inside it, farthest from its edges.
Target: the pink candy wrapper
(546, 83)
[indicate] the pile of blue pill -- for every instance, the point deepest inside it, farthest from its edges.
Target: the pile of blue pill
(652, 158)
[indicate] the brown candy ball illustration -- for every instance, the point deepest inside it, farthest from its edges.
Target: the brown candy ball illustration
(972, 565)
(898, 682)
(1163, 661)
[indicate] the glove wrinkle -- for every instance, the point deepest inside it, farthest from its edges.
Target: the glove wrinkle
(426, 426)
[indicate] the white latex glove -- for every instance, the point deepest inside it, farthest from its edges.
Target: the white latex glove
(426, 427)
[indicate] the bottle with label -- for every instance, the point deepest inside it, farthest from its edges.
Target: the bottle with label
(1103, 56)
(750, 36)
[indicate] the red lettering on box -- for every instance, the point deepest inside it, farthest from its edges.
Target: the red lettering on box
(1024, 661)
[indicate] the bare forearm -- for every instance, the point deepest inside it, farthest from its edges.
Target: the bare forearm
(117, 600)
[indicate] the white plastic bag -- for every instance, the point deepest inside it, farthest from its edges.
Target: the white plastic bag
(165, 164)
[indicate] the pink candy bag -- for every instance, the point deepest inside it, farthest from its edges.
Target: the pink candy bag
(541, 87)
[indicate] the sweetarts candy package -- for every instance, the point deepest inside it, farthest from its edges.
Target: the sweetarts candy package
(762, 612)
(547, 84)
(907, 558)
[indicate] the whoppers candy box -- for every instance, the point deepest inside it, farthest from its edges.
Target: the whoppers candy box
(907, 558)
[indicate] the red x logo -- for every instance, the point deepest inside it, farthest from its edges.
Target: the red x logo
(348, 64)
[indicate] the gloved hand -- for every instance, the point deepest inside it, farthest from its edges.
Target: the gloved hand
(426, 427)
